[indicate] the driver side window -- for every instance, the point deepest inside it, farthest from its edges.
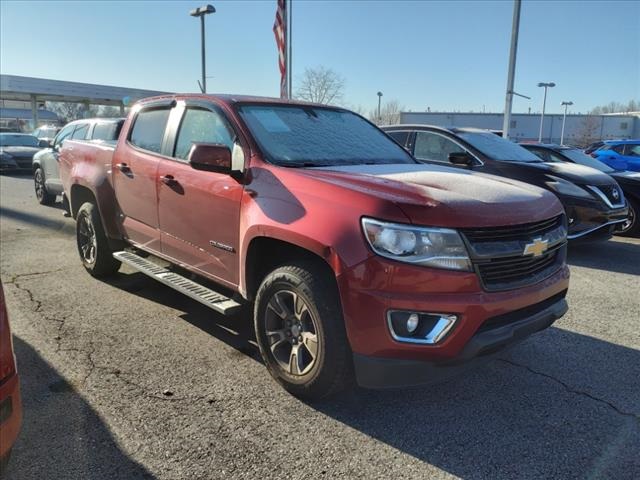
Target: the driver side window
(433, 146)
(200, 125)
(63, 135)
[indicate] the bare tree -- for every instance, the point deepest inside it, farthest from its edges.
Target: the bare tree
(69, 111)
(589, 131)
(320, 85)
(389, 113)
(616, 107)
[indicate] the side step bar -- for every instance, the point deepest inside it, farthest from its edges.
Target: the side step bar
(204, 295)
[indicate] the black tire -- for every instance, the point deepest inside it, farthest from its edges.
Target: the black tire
(93, 246)
(631, 229)
(43, 197)
(331, 369)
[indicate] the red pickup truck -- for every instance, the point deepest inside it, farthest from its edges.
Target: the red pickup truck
(360, 262)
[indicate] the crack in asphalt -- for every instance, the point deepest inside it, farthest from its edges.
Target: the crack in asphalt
(14, 281)
(570, 389)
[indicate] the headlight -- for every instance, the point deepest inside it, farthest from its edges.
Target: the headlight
(564, 187)
(431, 247)
(6, 158)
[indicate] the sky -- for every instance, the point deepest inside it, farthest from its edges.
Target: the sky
(440, 55)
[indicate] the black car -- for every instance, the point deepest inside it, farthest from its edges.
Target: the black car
(17, 151)
(46, 176)
(593, 201)
(628, 181)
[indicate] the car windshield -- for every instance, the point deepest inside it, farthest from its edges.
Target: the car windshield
(498, 148)
(306, 136)
(583, 159)
(9, 140)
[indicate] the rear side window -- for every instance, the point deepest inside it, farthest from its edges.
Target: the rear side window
(106, 131)
(80, 132)
(399, 137)
(148, 129)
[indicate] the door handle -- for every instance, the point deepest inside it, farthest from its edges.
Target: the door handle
(123, 167)
(169, 180)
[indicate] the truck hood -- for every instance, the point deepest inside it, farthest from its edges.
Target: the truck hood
(442, 196)
(579, 174)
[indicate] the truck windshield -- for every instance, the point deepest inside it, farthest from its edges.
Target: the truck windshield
(301, 136)
(498, 148)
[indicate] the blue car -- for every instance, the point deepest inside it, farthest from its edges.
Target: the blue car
(620, 154)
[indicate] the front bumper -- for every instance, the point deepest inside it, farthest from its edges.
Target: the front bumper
(375, 372)
(592, 220)
(10, 414)
(371, 289)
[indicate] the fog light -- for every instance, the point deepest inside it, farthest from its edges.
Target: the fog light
(420, 327)
(412, 322)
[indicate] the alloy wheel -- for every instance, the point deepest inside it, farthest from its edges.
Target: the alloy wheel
(291, 332)
(39, 185)
(87, 239)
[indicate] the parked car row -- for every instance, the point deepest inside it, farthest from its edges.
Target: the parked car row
(593, 201)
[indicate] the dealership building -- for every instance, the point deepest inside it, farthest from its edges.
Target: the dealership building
(526, 127)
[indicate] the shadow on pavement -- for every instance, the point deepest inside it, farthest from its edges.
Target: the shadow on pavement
(62, 436)
(613, 255)
(37, 220)
(560, 405)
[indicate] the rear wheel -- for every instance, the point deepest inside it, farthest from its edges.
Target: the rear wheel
(93, 246)
(43, 197)
(631, 228)
(300, 331)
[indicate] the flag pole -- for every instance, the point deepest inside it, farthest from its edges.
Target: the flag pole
(290, 50)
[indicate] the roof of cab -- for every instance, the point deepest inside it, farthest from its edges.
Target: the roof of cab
(232, 99)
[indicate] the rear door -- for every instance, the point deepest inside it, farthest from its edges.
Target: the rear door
(199, 211)
(135, 168)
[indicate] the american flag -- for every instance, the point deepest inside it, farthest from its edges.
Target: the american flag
(280, 31)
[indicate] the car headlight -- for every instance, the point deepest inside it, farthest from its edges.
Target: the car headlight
(431, 247)
(563, 187)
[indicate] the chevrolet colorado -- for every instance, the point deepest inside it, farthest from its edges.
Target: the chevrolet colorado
(360, 263)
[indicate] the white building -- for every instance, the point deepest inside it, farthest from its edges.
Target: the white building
(525, 127)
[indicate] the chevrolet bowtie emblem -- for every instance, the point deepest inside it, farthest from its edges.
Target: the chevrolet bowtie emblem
(536, 248)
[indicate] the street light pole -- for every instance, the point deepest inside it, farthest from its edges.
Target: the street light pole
(379, 100)
(544, 104)
(201, 12)
(515, 27)
(564, 119)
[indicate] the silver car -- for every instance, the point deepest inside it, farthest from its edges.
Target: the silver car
(46, 175)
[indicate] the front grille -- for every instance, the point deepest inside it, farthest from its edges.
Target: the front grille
(525, 231)
(519, 271)
(607, 191)
(497, 253)
(23, 162)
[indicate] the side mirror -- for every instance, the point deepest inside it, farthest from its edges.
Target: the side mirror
(44, 143)
(211, 157)
(461, 158)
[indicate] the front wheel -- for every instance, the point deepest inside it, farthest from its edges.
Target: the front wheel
(631, 227)
(93, 246)
(300, 331)
(43, 197)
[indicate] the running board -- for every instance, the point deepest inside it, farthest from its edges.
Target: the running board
(204, 295)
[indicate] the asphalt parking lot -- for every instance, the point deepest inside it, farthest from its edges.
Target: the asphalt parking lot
(128, 379)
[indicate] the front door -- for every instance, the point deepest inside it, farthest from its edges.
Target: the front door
(200, 211)
(135, 168)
